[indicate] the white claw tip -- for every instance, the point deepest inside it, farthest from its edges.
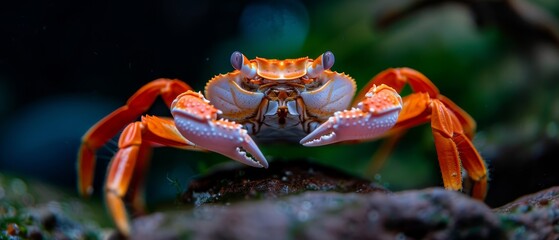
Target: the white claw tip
(321, 140)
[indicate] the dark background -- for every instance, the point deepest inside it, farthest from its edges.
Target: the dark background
(65, 64)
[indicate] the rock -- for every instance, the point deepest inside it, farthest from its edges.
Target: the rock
(294, 200)
(431, 213)
(247, 203)
(303, 200)
(284, 178)
(34, 210)
(535, 216)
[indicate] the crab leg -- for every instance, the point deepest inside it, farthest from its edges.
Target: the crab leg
(447, 126)
(452, 127)
(453, 145)
(110, 125)
(196, 119)
(397, 78)
(371, 118)
(137, 138)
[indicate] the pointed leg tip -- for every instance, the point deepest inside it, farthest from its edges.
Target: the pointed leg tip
(86, 192)
(118, 211)
(479, 190)
(124, 230)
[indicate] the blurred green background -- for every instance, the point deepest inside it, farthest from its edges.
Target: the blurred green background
(66, 64)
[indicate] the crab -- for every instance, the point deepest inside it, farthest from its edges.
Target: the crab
(298, 100)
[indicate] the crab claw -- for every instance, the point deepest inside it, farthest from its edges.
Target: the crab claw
(372, 117)
(196, 120)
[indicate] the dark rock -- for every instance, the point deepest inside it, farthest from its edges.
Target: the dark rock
(35, 234)
(292, 200)
(34, 210)
(284, 178)
(303, 200)
(534, 216)
(431, 214)
(49, 221)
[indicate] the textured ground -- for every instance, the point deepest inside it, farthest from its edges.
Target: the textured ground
(293, 200)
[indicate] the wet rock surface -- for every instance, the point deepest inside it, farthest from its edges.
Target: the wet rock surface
(428, 214)
(284, 178)
(278, 203)
(33, 210)
(534, 216)
(293, 200)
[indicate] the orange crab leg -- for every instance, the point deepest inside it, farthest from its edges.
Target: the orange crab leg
(397, 78)
(452, 146)
(120, 174)
(452, 127)
(444, 126)
(467, 122)
(135, 139)
(110, 125)
(135, 194)
(473, 163)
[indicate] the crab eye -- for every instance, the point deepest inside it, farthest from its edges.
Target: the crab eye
(327, 60)
(241, 63)
(323, 62)
(237, 60)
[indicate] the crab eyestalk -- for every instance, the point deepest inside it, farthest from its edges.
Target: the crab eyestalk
(241, 63)
(321, 63)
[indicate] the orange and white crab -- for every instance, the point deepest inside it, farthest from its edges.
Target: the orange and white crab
(299, 100)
